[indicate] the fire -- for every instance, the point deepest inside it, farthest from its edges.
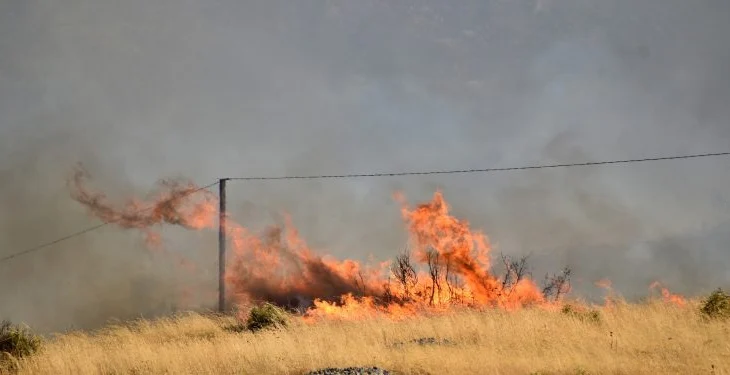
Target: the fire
(667, 295)
(174, 204)
(610, 298)
(450, 267)
(280, 268)
(605, 284)
(441, 238)
(448, 247)
(353, 308)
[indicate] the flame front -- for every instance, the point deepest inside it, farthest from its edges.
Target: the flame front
(667, 295)
(454, 253)
(450, 267)
(609, 301)
(276, 266)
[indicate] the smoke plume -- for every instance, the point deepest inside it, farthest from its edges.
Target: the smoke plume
(197, 90)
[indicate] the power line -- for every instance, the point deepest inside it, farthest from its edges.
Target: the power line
(30, 250)
(483, 170)
(90, 229)
(390, 174)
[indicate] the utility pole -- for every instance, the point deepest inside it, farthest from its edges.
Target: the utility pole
(222, 244)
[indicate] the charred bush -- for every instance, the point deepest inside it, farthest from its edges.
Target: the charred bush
(557, 286)
(515, 270)
(405, 274)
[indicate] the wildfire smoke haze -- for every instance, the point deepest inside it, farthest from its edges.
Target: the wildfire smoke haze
(138, 90)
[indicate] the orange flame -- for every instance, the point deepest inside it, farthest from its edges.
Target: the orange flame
(609, 299)
(174, 204)
(452, 266)
(171, 205)
(667, 295)
(605, 284)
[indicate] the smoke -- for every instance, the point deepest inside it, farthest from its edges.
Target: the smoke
(140, 91)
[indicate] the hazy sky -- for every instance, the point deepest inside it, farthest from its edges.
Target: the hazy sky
(140, 90)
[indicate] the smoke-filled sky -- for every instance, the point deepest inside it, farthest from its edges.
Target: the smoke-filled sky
(139, 91)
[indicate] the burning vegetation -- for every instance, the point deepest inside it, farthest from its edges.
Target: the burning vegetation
(667, 295)
(446, 266)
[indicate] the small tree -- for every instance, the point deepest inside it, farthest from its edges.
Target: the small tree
(434, 270)
(557, 286)
(405, 273)
(515, 271)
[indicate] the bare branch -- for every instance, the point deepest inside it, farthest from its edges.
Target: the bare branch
(515, 271)
(558, 285)
(434, 270)
(405, 273)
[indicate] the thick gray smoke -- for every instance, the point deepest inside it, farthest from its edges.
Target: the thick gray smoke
(140, 90)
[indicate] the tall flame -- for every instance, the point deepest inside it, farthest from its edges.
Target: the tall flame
(451, 268)
(173, 204)
(275, 266)
(610, 298)
(667, 295)
(449, 243)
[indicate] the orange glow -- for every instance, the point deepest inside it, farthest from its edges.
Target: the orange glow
(604, 283)
(609, 299)
(667, 295)
(450, 266)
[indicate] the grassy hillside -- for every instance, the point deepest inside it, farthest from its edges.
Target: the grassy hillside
(652, 338)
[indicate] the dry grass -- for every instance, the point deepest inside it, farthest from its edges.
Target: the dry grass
(653, 338)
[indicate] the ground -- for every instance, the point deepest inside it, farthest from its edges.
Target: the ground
(650, 338)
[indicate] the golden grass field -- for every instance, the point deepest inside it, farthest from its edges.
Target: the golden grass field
(651, 338)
